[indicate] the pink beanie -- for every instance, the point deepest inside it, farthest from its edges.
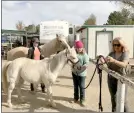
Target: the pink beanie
(78, 44)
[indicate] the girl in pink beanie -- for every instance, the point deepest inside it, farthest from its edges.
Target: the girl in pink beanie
(79, 75)
(78, 44)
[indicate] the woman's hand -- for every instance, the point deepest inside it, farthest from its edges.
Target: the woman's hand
(122, 64)
(110, 59)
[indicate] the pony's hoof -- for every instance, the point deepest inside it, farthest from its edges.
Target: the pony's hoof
(10, 105)
(53, 105)
(44, 91)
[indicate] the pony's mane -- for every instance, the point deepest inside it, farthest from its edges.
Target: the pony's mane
(55, 55)
(59, 54)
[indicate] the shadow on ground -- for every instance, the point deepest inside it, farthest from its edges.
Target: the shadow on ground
(35, 102)
(66, 86)
(64, 77)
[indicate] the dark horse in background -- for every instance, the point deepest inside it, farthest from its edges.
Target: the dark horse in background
(18, 43)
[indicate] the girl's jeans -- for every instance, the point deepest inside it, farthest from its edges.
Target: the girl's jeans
(79, 84)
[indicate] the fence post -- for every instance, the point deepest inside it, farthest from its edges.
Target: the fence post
(10, 41)
(120, 97)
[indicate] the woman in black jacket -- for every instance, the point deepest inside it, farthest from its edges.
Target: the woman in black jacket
(34, 52)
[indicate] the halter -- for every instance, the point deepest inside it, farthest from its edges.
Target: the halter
(74, 63)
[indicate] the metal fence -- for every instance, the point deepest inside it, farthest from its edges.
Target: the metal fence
(122, 81)
(4, 57)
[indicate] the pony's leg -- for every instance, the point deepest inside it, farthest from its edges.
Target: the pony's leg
(49, 93)
(47, 99)
(20, 83)
(10, 89)
(35, 88)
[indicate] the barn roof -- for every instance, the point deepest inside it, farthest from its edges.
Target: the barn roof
(97, 26)
(19, 33)
(13, 32)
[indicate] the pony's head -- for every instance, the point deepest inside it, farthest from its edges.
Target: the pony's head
(72, 55)
(61, 42)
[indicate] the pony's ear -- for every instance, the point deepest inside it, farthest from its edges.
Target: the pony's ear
(73, 47)
(69, 49)
(57, 36)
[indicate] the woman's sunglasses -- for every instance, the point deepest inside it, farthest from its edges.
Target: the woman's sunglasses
(118, 45)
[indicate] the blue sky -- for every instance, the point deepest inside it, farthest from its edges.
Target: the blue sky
(33, 12)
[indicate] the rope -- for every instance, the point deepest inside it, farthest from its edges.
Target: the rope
(100, 80)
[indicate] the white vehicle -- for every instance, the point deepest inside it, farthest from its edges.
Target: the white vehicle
(49, 29)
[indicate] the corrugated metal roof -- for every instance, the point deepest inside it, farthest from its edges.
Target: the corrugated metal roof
(97, 26)
(13, 31)
(18, 33)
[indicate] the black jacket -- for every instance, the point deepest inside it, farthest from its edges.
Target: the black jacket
(31, 53)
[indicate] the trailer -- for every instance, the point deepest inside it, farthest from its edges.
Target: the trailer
(49, 29)
(97, 39)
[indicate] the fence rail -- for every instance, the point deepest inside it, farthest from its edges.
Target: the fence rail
(123, 79)
(4, 57)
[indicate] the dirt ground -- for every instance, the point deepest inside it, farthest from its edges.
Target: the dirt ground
(63, 96)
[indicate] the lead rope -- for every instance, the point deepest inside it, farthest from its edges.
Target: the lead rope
(100, 81)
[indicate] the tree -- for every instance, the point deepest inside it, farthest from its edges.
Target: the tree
(128, 3)
(132, 16)
(20, 25)
(115, 18)
(123, 17)
(38, 29)
(91, 20)
(131, 20)
(33, 28)
(30, 28)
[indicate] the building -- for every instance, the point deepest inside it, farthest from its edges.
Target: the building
(98, 38)
(10, 36)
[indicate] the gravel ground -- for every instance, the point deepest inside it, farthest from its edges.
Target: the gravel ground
(63, 96)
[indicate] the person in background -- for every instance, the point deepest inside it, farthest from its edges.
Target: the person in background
(117, 60)
(2, 51)
(34, 52)
(79, 75)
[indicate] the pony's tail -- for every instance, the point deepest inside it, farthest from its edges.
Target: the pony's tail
(5, 82)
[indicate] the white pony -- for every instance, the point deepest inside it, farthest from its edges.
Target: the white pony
(42, 71)
(5, 64)
(57, 44)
